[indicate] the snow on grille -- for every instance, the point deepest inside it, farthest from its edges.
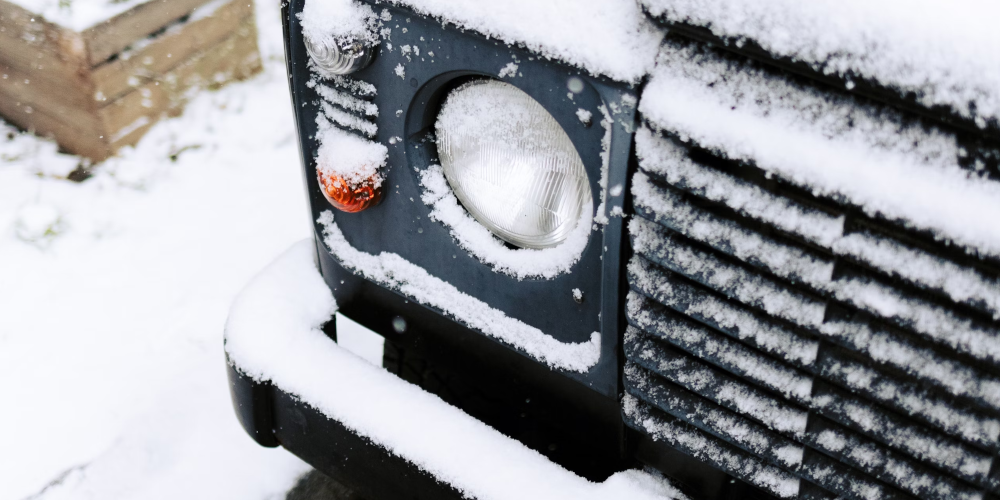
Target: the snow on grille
(721, 314)
(668, 160)
(733, 356)
(713, 418)
(520, 263)
(851, 373)
(344, 100)
(663, 157)
(946, 53)
(606, 37)
(779, 300)
(891, 467)
(832, 146)
(912, 400)
(931, 320)
(707, 448)
(346, 120)
(898, 433)
(895, 350)
(394, 272)
(934, 322)
(350, 85)
(844, 480)
(750, 288)
(740, 360)
(942, 452)
(963, 284)
(712, 384)
(668, 207)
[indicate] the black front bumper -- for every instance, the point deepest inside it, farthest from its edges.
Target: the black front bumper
(273, 417)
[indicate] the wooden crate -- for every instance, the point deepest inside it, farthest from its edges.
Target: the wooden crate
(98, 90)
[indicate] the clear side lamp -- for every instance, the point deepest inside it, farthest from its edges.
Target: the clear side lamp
(331, 57)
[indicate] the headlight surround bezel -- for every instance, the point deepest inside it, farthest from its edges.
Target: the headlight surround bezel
(408, 103)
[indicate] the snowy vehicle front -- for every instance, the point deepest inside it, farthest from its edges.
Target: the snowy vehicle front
(612, 239)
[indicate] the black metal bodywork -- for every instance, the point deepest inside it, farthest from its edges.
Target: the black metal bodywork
(576, 419)
(571, 417)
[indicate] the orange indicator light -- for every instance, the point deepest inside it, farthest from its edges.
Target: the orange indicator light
(348, 199)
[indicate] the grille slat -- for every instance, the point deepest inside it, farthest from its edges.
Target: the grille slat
(962, 284)
(966, 337)
(774, 334)
(824, 399)
(799, 351)
(714, 419)
(812, 272)
(721, 351)
(345, 103)
(711, 449)
(765, 407)
(725, 392)
(748, 286)
(723, 389)
(821, 435)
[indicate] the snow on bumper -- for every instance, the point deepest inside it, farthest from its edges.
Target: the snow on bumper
(273, 336)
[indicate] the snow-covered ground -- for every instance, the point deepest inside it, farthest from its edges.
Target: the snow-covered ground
(114, 293)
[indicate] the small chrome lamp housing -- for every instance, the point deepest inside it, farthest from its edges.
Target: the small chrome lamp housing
(332, 57)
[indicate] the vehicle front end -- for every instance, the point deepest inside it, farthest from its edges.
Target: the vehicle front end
(609, 244)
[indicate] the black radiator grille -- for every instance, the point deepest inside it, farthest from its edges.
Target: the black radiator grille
(781, 338)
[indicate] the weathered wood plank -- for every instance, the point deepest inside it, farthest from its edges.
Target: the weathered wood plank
(135, 68)
(79, 133)
(44, 53)
(48, 85)
(114, 35)
(39, 95)
(34, 31)
(55, 82)
(236, 58)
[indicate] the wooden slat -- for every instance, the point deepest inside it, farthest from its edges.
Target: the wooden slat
(47, 84)
(51, 83)
(112, 36)
(35, 32)
(19, 87)
(116, 78)
(44, 54)
(76, 132)
(236, 58)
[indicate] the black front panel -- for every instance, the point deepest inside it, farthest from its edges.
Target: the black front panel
(408, 101)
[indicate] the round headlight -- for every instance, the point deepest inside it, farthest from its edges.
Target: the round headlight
(511, 165)
(333, 58)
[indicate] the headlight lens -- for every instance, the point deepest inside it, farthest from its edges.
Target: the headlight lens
(511, 165)
(333, 58)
